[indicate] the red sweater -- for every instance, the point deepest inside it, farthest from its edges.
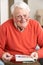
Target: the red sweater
(16, 42)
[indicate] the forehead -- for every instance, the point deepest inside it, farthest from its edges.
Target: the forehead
(20, 11)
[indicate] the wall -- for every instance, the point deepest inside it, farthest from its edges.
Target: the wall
(4, 10)
(34, 5)
(17, 0)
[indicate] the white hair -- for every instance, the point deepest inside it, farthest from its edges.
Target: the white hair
(20, 4)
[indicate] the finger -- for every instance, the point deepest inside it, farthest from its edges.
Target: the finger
(9, 57)
(34, 55)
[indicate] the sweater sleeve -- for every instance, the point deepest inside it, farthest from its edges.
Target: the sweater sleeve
(2, 40)
(40, 40)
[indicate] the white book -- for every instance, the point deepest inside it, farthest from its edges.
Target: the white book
(24, 58)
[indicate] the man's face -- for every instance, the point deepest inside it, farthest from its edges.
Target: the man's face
(21, 17)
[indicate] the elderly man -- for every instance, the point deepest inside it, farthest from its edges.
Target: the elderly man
(20, 35)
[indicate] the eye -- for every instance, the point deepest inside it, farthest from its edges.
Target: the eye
(25, 16)
(19, 16)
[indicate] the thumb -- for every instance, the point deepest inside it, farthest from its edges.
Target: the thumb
(34, 55)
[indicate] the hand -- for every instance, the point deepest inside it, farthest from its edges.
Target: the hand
(7, 57)
(34, 55)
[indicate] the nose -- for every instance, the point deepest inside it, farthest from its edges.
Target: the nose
(23, 19)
